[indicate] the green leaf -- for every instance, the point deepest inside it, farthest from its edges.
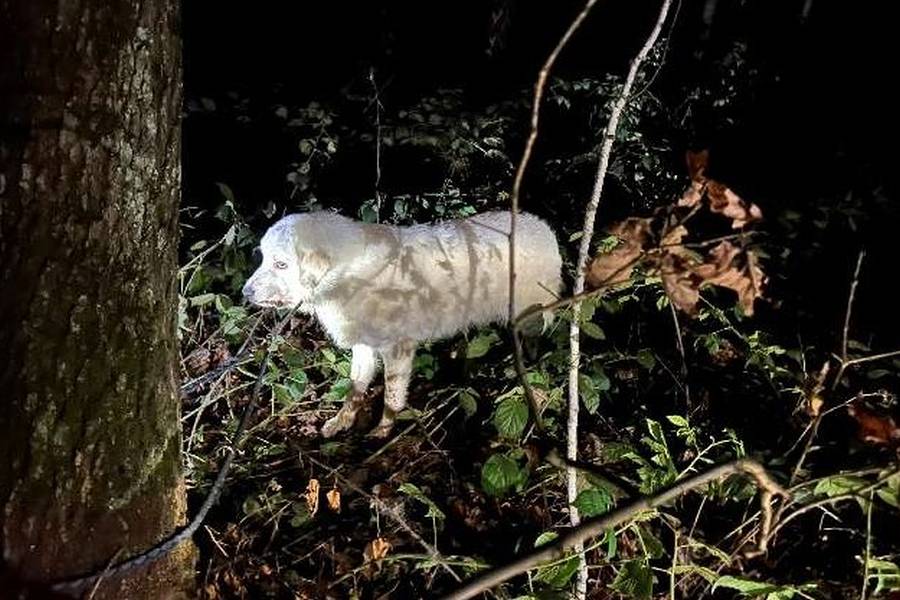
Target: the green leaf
(368, 214)
(468, 403)
(202, 299)
(646, 359)
(654, 547)
(886, 575)
(592, 330)
(678, 421)
(558, 575)
(612, 543)
(634, 580)
(706, 573)
(338, 390)
(480, 345)
(230, 235)
(501, 474)
(411, 489)
(511, 417)
(592, 502)
(839, 485)
(424, 363)
(547, 536)
(601, 380)
(226, 192)
(589, 395)
(754, 589)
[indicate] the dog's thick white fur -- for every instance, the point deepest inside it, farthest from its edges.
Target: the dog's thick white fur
(381, 290)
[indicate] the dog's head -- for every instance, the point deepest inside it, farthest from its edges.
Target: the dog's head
(291, 266)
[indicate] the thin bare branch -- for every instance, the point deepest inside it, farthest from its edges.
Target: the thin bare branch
(845, 340)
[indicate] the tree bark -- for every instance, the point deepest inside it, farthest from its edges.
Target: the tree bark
(90, 439)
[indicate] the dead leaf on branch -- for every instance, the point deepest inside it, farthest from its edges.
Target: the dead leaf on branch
(693, 195)
(725, 202)
(722, 269)
(684, 272)
(872, 427)
(312, 496)
(334, 500)
(376, 549)
(679, 282)
(616, 266)
(722, 200)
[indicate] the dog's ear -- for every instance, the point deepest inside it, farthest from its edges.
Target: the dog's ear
(314, 265)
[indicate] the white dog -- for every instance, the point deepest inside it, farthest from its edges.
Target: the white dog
(381, 290)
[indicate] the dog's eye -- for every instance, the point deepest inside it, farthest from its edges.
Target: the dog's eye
(280, 264)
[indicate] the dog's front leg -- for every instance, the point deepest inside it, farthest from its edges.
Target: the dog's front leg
(362, 371)
(398, 364)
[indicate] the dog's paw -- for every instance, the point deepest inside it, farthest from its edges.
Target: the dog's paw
(381, 432)
(332, 427)
(340, 422)
(346, 416)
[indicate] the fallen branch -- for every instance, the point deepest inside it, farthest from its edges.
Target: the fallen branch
(593, 527)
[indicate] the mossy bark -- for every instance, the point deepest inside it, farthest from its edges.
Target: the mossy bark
(90, 459)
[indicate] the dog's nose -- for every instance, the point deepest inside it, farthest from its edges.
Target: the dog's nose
(247, 291)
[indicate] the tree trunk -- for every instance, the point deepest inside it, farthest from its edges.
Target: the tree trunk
(90, 463)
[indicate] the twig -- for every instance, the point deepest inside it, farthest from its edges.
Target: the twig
(865, 582)
(853, 285)
(378, 108)
(587, 233)
(679, 342)
(865, 359)
(845, 340)
(674, 563)
(598, 525)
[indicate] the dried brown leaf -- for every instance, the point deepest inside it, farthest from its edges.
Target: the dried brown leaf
(696, 164)
(679, 283)
(719, 260)
(693, 195)
(312, 496)
(674, 235)
(721, 269)
(376, 549)
(813, 386)
(616, 266)
(874, 428)
(334, 499)
(725, 202)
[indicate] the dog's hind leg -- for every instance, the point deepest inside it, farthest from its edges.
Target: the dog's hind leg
(398, 364)
(362, 371)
